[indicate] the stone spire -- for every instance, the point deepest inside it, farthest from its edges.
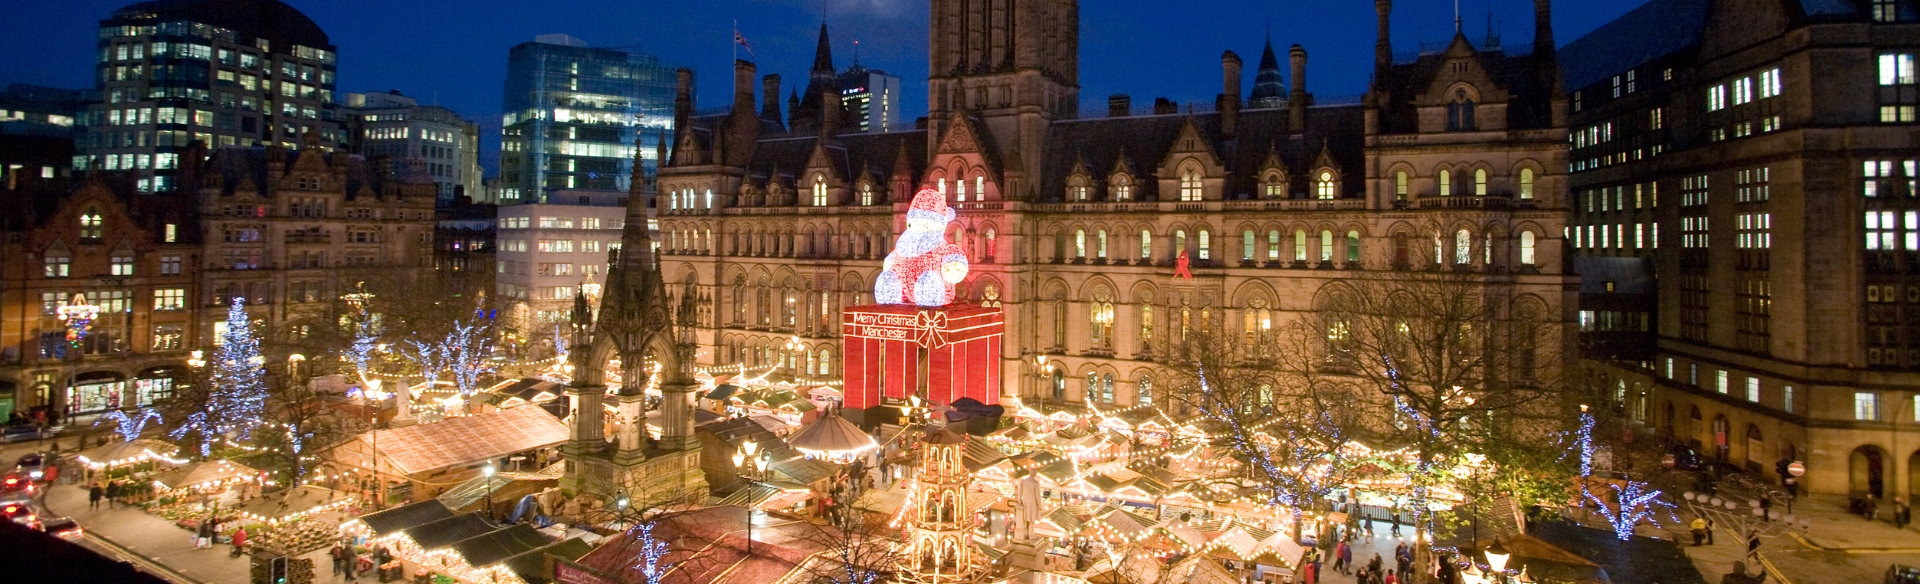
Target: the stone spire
(806, 114)
(1269, 86)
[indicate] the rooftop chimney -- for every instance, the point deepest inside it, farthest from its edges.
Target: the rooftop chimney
(1163, 106)
(1229, 94)
(770, 93)
(743, 86)
(683, 98)
(1297, 100)
(1119, 105)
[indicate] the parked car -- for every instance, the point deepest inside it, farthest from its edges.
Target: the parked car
(17, 487)
(1684, 458)
(1898, 574)
(20, 512)
(25, 432)
(34, 464)
(62, 527)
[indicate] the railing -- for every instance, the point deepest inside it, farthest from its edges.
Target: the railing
(1465, 202)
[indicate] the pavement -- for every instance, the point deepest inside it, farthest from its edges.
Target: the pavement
(153, 544)
(1836, 547)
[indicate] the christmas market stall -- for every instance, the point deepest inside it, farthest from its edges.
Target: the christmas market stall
(208, 476)
(295, 521)
(423, 460)
(134, 454)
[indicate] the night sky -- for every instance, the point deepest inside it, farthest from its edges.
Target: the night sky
(454, 53)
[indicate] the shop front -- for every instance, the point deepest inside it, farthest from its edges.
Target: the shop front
(95, 392)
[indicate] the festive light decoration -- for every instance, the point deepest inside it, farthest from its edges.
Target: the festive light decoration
(366, 339)
(237, 398)
(651, 561)
(1583, 445)
(467, 349)
(79, 316)
(923, 266)
(129, 427)
(1636, 503)
(559, 342)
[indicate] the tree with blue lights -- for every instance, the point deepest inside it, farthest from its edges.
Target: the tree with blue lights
(235, 400)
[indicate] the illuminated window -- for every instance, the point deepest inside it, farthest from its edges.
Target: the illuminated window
(1400, 186)
(1480, 182)
(1462, 247)
(1526, 248)
(1526, 184)
(1190, 186)
(1324, 187)
(1446, 183)
(819, 190)
(91, 225)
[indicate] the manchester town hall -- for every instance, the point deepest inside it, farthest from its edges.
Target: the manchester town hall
(1105, 238)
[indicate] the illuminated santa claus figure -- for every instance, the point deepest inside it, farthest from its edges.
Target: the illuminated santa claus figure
(924, 266)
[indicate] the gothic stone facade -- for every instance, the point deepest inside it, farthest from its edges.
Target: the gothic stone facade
(1455, 161)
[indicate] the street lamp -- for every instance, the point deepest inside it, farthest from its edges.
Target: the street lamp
(1497, 556)
(487, 471)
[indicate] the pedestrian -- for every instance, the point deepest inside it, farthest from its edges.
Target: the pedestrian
(1369, 530)
(1902, 513)
(1753, 540)
(1699, 528)
(1392, 578)
(93, 496)
(1360, 576)
(353, 563)
(1766, 505)
(240, 541)
(52, 473)
(113, 492)
(1395, 531)
(204, 539)
(1343, 558)
(339, 555)
(1374, 566)
(1709, 531)
(1871, 509)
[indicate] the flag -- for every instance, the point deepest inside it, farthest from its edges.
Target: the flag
(742, 41)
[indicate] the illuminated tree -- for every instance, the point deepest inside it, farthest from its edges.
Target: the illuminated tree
(1633, 503)
(237, 390)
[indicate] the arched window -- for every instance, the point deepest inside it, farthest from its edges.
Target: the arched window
(1100, 249)
(1480, 182)
(962, 184)
(740, 299)
(1179, 242)
(1059, 384)
(91, 224)
(1122, 187)
(1526, 184)
(1462, 247)
(1146, 325)
(819, 190)
(1275, 186)
(826, 361)
(1102, 329)
(1059, 323)
(1190, 189)
(1206, 245)
(1080, 243)
(1446, 183)
(1077, 188)
(1092, 391)
(988, 255)
(1400, 186)
(1246, 245)
(1324, 187)
(1273, 245)
(1144, 394)
(1353, 246)
(709, 198)
(1106, 388)
(941, 183)
(1146, 244)
(979, 187)
(1460, 112)
(811, 363)
(1299, 245)
(1526, 248)
(866, 194)
(1326, 246)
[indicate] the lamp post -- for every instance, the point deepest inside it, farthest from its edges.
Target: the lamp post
(744, 459)
(487, 471)
(1497, 556)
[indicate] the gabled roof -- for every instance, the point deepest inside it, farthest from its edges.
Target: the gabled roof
(499, 545)
(1147, 141)
(405, 516)
(459, 441)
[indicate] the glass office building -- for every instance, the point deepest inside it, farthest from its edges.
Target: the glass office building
(573, 113)
(222, 72)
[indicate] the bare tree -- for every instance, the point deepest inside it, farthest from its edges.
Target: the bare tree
(857, 547)
(1287, 420)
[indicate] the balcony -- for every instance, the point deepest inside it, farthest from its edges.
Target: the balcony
(1465, 202)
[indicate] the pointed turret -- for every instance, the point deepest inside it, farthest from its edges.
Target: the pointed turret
(806, 114)
(1269, 86)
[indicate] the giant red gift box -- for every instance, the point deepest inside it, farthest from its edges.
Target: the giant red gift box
(962, 344)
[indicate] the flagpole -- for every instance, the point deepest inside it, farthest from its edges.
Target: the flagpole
(735, 43)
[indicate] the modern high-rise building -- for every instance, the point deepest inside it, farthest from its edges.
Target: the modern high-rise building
(573, 114)
(223, 72)
(398, 127)
(549, 251)
(870, 97)
(1744, 185)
